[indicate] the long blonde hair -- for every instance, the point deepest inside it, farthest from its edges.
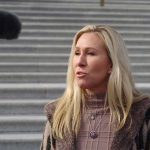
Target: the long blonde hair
(121, 91)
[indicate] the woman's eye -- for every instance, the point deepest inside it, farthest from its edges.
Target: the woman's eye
(91, 53)
(77, 53)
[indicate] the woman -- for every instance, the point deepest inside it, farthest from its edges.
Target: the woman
(100, 109)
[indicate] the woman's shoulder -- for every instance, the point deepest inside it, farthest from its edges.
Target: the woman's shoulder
(49, 108)
(147, 114)
(142, 107)
(144, 103)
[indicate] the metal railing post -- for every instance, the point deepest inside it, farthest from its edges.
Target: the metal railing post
(102, 2)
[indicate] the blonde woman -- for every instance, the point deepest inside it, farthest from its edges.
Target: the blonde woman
(100, 109)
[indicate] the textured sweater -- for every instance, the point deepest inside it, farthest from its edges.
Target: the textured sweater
(135, 136)
(95, 132)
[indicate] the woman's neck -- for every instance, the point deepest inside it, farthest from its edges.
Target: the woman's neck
(96, 94)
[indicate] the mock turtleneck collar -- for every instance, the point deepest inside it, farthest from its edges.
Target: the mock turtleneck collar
(95, 100)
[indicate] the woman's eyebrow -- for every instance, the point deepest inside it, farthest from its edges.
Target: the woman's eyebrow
(77, 48)
(91, 48)
(87, 48)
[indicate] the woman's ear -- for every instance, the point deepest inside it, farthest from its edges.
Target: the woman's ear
(110, 67)
(109, 71)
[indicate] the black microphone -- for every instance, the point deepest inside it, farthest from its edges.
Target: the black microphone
(10, 25)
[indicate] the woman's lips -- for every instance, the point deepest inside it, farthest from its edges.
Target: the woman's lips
(81, 74)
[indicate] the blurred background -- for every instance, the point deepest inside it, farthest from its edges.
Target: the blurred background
(33, 67)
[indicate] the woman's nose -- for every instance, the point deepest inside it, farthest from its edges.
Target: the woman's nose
(81, 60)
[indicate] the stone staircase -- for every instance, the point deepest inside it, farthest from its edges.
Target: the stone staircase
(33, 68)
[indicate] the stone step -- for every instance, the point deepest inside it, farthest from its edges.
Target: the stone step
(20, 141)
(85, 17)
(144, 87)
(36, 48)
(128, 2)
(77, 26)
(50, 49)
(142, 77)
(85, 20)
(47, 77)
(42, 91)
(70, 33)
(21, 123)
(135, 49)
(24, 103)
(56, 58)
(33, 57)
(70, 6)
(39, 77)
(72, 1)
(140, 67)
(69, 26)
(32, 77)
(30, 107)
(142, 58)
(78, 13)
(68, 41)
(31, 90)
(55, 67)
(33, 67)
(45, 11)
(78, 1)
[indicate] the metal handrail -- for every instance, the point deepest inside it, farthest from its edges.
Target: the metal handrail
(102, 2)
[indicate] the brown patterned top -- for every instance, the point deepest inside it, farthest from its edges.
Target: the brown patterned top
(129, 137)
(95, 132)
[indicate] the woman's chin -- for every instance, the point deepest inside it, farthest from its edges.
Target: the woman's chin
(84, 85)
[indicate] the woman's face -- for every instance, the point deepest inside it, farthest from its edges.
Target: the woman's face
(91, 63)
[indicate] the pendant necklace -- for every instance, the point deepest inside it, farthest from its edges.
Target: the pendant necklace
(93, 133)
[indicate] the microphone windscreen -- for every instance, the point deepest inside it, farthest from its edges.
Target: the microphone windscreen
(10, 25)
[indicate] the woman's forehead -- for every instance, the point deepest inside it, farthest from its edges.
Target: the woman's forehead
(90, 39)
